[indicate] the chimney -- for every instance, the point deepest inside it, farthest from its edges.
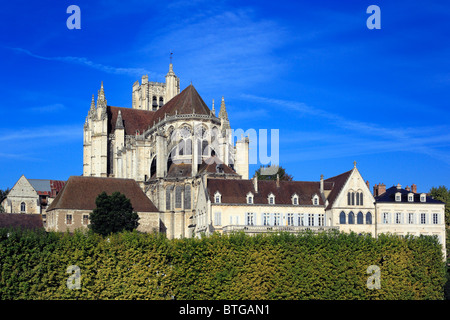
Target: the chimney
(321, 183)
(381, 189)
(399, 186)
(278, 180)
(414, 188)
(255, 183)
(407, 188)
(375, 190)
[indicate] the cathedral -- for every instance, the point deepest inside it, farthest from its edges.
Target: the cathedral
(168, 142)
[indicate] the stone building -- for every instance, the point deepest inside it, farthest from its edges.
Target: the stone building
(164, 148)
(32, 196)
(72, 207)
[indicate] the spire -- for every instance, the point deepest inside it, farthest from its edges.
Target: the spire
(212, 109)
(101, 100)
(119, 121)
(92, 103)
(223, 110)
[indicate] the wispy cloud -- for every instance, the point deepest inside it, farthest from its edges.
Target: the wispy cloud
(55, 107)
(52, 133)
(367, 138)
(88, 63)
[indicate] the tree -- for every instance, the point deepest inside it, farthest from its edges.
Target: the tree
(3, 195)
(113, 214)
(279, 170)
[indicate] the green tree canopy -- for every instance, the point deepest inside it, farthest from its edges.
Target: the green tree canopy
(270, 173)
(113, 214)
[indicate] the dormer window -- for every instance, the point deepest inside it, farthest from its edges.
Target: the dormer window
(398, 197)
(295, 199)
(271, 198)
(250, 198)
(423, 197)
(217, 197)
(315, 200)
(410, 197)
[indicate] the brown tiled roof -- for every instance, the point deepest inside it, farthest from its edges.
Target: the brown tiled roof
(210, 166)
(186, 102)
(25, 221)
(236, 190)
(338, 183)
(133, 119)
(80, 193)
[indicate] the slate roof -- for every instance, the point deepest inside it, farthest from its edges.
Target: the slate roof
(20, 220)
(389, 196)
(80, 193)
(47, 187)
(186, 102)
(234, 191)
(335, 184)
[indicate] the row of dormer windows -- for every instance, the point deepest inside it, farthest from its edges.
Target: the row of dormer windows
(270, 198)
(398, 197)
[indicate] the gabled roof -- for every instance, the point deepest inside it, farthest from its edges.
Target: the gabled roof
(338, 183)
(234, 191)
(187, 101)
(389, 196)
(19, 220)
(133, 119)
(80, 193)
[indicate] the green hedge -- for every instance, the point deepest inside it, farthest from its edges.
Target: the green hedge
(131, 265)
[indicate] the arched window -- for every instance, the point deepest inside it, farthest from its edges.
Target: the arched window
(178, 197)
(181, 147)
(349, 198)
(360, 218)
(351, 217)
(23, 207)
(342, 217)
(187, 196)
(188, 147)
(161, 102)
(353, 198)
(361, 197)
(368, 218)
(154, 104)
(168, 197)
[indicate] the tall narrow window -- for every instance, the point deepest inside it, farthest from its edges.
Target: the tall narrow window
(266, 219)
(217, 218)
(276, 219)
(351, 217)
(178, 197)
(290, 219)
(301, 220)
(310, 219)
(435, 218)
(23, 207)
(410, 218)
(342, 217)
(368, 218)
(385, 217)
(68, 219)
(154, 104)
(423, 218)
(187, 196)
(168, 197)
(85, 219)
(161, 102)
(349, 198)
(398, 217)
(250, 219)
(321, 220)
(353, 198)
(360, 218)
(357, 198)
(361, 199)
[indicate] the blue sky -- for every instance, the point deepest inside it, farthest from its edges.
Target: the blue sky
(337, 91)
